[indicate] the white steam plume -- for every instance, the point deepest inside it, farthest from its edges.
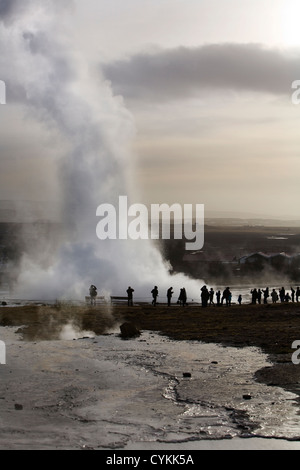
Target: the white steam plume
(57, 87)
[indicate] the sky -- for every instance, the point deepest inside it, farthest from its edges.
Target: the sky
(206, 85)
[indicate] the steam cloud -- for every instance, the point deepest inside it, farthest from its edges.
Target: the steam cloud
(57, 87)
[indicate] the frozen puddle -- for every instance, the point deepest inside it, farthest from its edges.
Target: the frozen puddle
(107, 393)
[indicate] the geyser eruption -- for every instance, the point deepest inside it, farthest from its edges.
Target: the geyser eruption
(56, 86)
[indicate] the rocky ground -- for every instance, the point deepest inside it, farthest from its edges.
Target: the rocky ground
(51, 387)
(271, 327)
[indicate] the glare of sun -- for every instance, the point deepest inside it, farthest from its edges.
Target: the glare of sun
(290, 16)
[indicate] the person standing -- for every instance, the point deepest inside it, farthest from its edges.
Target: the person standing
(204, 296)
(282, 294)
(259, 294)
(266, 295)
(154, 293)
(293, 294)
(183, 297)
(226, 296)
(130, 292)
(254, 295)
(274, 296)
(93, 294)
(169, 295)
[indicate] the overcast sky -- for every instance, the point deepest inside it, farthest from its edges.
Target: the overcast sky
(208, 86)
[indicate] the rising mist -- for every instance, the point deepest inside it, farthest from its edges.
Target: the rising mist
(55, 86)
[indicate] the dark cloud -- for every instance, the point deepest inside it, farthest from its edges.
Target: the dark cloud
(7, 7)
(182, 72)
(10, 9)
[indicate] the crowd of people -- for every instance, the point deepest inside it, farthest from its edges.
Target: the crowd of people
(261, 295)
(210, 297)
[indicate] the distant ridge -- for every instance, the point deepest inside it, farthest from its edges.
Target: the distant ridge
(28, 211)
(247, 215)
(244, 222)
(33, 211)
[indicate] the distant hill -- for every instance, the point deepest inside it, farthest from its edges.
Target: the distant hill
(32, 211)
(251, 222)
(27, 211)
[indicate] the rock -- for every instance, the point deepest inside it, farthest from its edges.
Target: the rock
(247, 397)
(18, 407)
(187, 375)
(129, 330)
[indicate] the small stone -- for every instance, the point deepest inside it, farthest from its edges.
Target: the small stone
(129, 330)
(187, 375)
(18, 407)
(247, 397)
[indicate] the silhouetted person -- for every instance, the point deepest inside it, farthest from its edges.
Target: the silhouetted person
(218, 296)
(182, 297)
(93, 294)
(240, 298)
(274, 296)
(266, 295)
(293, 294)
(226, 296)
(204, 296)
(130, 292)
(287, 297)
(254, 295)
(259, 294)
(169, 295)
(154, 293)
(282, 294)
(297, 294)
